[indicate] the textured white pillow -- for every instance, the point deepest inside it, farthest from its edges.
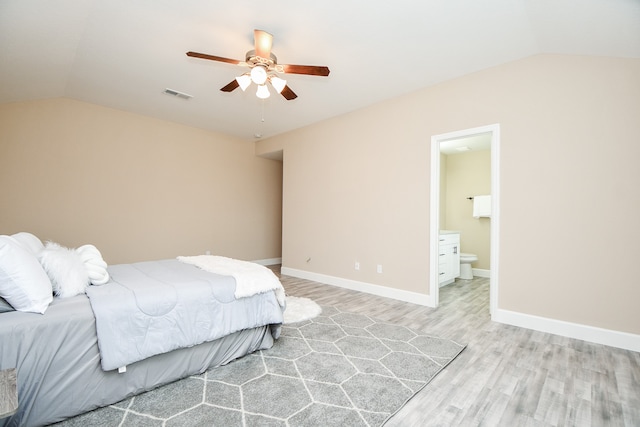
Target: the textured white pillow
(23, 282)
(96, 266)
(29, 241)
(65, 268)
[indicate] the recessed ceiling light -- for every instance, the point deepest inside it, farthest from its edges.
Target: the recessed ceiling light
(465, 148)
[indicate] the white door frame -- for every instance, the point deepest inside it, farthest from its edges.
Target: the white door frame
(495, 209)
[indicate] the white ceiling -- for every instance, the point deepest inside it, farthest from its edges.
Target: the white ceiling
(124, 53)
(479, 142)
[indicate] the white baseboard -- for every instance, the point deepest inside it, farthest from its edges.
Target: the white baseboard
(369, 288)
(269, 261)
(593, 334)
(480, 272)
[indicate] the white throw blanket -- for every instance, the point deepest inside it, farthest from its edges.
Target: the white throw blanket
(251, 278)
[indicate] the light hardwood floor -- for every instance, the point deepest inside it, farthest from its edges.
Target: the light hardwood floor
(507, 376)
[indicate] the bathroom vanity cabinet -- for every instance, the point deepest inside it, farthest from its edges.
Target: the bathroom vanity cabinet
(449, 257)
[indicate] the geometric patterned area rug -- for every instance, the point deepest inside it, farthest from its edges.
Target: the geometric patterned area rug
(338, 369)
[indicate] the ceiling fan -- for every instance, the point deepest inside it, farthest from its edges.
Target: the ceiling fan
(264, 68)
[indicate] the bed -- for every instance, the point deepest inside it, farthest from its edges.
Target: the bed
(67, 364)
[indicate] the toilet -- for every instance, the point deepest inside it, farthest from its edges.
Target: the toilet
(465, 265)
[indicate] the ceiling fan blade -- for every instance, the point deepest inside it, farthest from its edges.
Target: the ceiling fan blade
(233, 84)
(311, 70)
(213, 57)
(288, 93)
(263, 42)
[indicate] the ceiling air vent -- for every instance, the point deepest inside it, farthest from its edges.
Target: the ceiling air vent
(177, 94)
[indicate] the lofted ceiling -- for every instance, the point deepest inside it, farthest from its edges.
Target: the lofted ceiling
(124, 53)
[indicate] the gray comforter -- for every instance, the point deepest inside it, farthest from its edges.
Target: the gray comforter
(150, 308)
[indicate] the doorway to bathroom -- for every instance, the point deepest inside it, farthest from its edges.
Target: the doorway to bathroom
(456, 141)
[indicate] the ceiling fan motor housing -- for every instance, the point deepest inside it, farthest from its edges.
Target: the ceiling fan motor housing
(270, 63)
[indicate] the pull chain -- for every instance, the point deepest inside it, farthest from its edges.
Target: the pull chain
(261, 126)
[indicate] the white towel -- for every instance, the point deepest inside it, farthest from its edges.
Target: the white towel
(481, 206)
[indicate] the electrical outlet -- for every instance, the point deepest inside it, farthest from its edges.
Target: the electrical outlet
(357, 265)
(379, 269)
(207, 252)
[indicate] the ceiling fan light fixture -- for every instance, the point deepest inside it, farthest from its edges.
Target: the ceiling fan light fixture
(278, 83)
(258, 74)
(263, 92)
(244, 81)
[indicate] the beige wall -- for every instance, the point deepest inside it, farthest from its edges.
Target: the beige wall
(357, 186)
(138, 188)
(468, 174)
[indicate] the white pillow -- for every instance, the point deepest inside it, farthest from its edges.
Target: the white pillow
(65, 268)
(23, 282)
(29, 242)
(95, 265)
